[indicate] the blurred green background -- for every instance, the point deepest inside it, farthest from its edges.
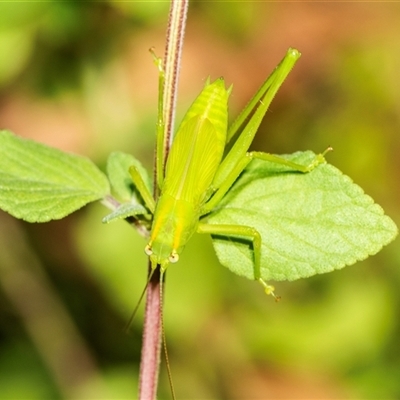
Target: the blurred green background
(78, 76)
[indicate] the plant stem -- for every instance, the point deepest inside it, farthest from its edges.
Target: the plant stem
(151, 346)
(172, 64)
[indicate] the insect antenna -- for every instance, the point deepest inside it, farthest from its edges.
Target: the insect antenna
(164, 339)
(134, 312)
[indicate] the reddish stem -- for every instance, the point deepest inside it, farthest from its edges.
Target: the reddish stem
(151, 345)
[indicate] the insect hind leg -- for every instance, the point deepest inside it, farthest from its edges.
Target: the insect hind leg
(249, 233)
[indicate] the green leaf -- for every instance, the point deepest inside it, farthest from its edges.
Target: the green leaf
(309, 223)
(39, 183)
(125, 210)
(118, 164)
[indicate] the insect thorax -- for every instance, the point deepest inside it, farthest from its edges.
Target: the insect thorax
(175, 221)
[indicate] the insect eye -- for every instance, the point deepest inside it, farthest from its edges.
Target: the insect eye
(173, 258)
(148, 250)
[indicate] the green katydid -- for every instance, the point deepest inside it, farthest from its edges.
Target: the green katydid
(198, 173)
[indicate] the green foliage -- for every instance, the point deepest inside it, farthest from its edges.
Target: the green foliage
(124, 211)
(39, 183)
(118, 165)
(309, 223)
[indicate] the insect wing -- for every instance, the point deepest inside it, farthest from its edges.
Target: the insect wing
(193, 160)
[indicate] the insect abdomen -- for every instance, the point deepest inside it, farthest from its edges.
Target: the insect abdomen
(211, 103)
(198, 147)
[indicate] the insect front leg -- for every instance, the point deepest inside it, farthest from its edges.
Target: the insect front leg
(160, 142)
(142, 188)
(140, 214)
(241, 231)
